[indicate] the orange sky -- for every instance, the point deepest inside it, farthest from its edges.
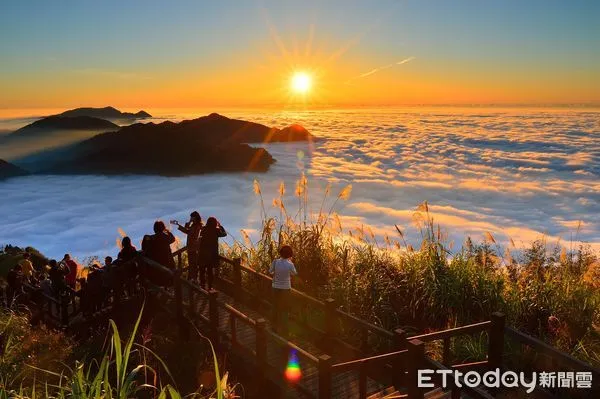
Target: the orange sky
(399, 53)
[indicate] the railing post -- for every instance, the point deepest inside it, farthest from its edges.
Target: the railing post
(261, 348)
(330, 322)
(362, 381)
(181, 322)
(496, 342)
(192, 301)
(64, 310)
(325, 377)
(398, 367)
(237, 279)
(213, 315)
(416, 357)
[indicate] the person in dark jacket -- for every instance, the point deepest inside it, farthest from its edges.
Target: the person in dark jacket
(192, 229)
(15, 279)
(57, 277)
(128, 251)
(209, 250)
(94, 288)
(158, 248)
(158, 245)
(126, 261)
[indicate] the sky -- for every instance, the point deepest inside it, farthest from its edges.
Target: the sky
(185, 54)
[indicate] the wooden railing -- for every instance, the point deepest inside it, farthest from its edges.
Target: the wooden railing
(557, 357)
(398, 366)
(320, 317)
(403, 363)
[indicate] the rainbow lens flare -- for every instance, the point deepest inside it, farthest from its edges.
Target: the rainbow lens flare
(292, 371)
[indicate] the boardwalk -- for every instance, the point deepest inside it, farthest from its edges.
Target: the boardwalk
(339, 355)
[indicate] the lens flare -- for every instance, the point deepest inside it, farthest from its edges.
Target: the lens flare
(292, 371)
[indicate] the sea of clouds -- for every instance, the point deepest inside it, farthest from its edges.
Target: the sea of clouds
(518, 174)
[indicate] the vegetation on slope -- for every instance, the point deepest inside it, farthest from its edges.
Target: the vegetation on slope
(549, 291)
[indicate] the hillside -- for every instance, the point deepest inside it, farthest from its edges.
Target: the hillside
(105, 113)
(8, 170)
(208, 144)
(53, 123)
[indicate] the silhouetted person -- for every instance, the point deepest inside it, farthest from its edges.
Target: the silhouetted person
(282, 270)
(45, 285)
(158, 248)
(109, 279)
(14, 278)
(57, 277)
(192, 229)
(71, 277)
(128, 251)
(95, 288)
(84, 296)
(209, 250)
(126, 260)
(158, 245)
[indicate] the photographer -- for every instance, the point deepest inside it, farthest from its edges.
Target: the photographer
(209, 250)
(192, 229)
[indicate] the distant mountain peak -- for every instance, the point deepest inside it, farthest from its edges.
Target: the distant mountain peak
(107, 112)
(68, 123)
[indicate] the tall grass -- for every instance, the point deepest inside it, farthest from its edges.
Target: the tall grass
(551, 292)
(122, 372)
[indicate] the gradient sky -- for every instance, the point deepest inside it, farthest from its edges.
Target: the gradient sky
(144, 54)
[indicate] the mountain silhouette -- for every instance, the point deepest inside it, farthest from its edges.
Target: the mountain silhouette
(8, 170)
(67, 123)
(105, 113)
(218, 128)
(212, 143)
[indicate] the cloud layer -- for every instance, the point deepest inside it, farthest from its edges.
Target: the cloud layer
(517, 174)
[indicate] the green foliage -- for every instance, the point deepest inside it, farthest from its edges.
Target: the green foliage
(11, 256)
(116, 375)
(551, 292)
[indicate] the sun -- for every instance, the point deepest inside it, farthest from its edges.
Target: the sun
(301, 82)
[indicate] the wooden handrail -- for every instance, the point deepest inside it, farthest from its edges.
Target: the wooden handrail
(295, 347)
(382, 332)
(453, 332)
(352, 364)
(48, 297)
(194, 287)
(239, 315)
(544, 348)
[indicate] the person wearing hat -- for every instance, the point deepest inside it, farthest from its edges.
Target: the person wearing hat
(192, 229)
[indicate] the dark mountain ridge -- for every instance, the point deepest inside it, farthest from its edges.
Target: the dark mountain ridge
(67, 123)
(212, 143)
(8, 170)
(105, 113)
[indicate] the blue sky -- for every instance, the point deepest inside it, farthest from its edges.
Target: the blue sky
(45, 41)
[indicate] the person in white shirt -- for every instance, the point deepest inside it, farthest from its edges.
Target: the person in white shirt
(282, 270)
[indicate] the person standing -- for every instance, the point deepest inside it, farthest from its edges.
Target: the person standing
(209, 250)
(57, 277)
(126, 257)
(282, 270)
(14, 278)
(158, 245)
(27, 266)
(192, 229)
(71, 277)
